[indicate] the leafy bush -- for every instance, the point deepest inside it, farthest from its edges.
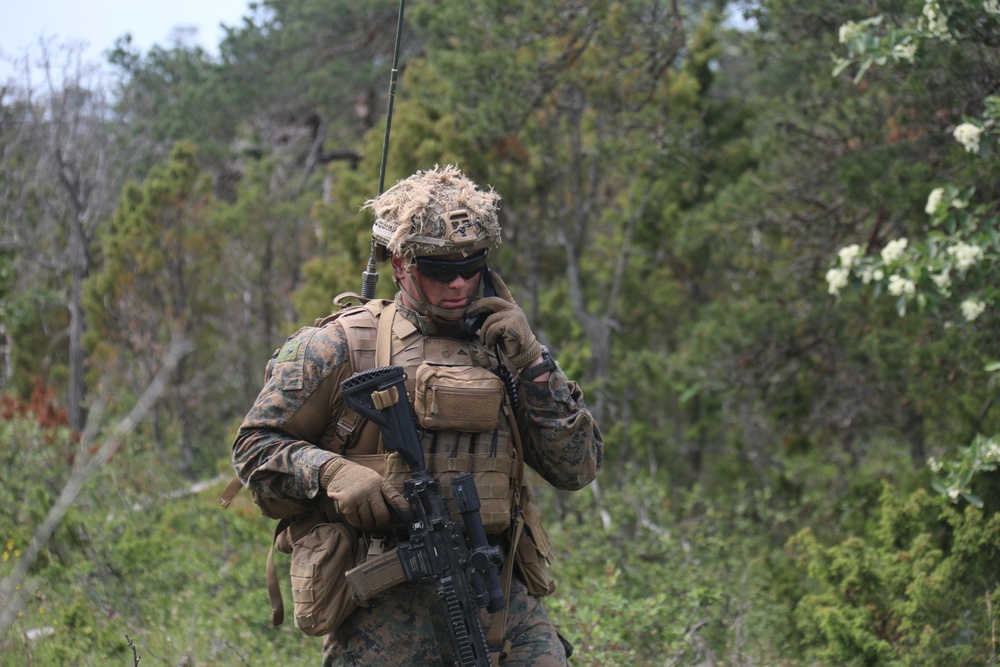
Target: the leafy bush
(652, 576)
(916, 589)
(664, 584)
(139, 559)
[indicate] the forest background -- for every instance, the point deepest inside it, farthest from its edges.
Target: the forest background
(763, 236)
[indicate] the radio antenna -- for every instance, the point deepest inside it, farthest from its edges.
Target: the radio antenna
(370, 276)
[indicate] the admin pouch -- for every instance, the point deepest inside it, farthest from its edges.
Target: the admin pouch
(458, 398)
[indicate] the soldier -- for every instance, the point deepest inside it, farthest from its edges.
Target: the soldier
(456, 330)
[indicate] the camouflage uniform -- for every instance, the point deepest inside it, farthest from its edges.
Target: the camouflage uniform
(292, 432)
(398, 630)
(289, 434)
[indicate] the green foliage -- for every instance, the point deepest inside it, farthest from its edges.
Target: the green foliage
(34, 469)
(175, 94)
(294, 58)
(25, 315)
(160, 250)
(953, 262)
(674, 191)
(158, 284)
(955, 476)
(138, 558)
(952, 259)
(914, 590)
(667, 582)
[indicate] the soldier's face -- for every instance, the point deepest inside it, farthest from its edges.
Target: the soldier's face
(452, 287)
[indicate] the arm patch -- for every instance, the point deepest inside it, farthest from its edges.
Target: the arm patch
(288, 369)
(289, 351)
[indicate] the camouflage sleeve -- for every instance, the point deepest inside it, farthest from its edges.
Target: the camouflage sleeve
(563, 444)
(277, 451)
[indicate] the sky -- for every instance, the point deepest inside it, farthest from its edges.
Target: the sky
(99, 23)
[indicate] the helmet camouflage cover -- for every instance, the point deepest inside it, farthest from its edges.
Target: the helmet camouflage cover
(436, 211)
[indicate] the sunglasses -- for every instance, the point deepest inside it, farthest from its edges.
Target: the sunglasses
(446, 270)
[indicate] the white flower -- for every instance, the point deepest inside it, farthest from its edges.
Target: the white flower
(953, 493)
(972, 308)
(878, 275)
(965, 255)
(904, 52)
(893, 250)
(942, 281)
(899, 286)
(967, 134)
(937, 22)
(934, 464)
(848, 31)
(992, 453)
(848, 254)
(837, 279)
(992, 6)
(933, 199)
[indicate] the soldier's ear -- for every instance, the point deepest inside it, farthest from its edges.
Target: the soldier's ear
(398, 266)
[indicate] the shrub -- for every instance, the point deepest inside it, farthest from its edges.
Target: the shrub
(916, 589)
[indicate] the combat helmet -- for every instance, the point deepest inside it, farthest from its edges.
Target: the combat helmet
(436, 211)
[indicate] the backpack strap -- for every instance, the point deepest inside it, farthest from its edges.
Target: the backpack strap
(363, 327)
(499, 645)
(230, 492)
(383, 336)
(273, 588)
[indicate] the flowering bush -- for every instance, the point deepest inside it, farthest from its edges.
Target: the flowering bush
(874, 42)
(955, 264)
(954, 476)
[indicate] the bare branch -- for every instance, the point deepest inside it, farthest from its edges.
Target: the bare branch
(83, 469)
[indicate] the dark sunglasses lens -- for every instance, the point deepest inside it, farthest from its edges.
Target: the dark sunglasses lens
(446, 270)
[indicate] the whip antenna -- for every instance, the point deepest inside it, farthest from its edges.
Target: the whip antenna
(370, 276)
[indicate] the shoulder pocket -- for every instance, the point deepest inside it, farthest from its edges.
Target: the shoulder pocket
(287, 371)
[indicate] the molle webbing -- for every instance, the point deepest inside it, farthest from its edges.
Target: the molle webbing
(359, 326)
(377, 337)
(365, 339)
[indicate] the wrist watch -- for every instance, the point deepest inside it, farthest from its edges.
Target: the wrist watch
(547, 366)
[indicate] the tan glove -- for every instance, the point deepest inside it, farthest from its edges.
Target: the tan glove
(507, 324)
(362, 495)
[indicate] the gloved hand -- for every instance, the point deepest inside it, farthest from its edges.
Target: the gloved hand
(506, 324)
(362, 495)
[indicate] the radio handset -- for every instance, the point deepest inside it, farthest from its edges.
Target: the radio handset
(475, 322)
(472, 326)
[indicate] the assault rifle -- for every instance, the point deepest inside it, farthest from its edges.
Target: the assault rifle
(457, 556)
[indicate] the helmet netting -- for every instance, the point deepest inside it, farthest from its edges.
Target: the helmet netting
(415, 207)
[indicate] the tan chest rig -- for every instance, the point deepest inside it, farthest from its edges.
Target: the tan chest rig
(467, 425)
(459, 403)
